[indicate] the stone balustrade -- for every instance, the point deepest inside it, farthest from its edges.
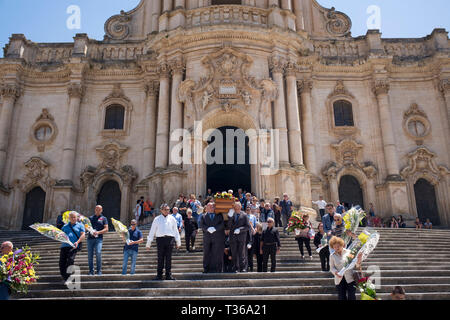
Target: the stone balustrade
(227, 14)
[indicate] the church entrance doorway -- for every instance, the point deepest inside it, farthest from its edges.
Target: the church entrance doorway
(34, 208)
(110, 198)
(350, 192)
(228, 164)
(426, 202)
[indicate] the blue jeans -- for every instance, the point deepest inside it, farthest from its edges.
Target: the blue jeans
(126, 255)
(95, 244)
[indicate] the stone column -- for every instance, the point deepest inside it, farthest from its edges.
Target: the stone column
(277, 67)
(286, 4)
(445, 89)
(162, 133)
(156, 11)
(381, 89)
(334, 189)
(298, 11)
(304, 90)
(152, 88)
(75, 92)
(176, 114)
(167, 5)
(10, 94)
(293, 117)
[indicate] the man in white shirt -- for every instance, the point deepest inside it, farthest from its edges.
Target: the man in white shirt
(164, 227)
(321, 204)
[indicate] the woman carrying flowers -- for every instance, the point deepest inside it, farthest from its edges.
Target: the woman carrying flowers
(303, 237)
(345, 284)
(321, 241)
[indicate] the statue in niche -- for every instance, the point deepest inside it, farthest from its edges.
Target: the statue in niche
(247, 98)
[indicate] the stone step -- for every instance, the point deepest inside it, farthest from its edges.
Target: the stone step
(295, 297)
(289, 282)
(277, 290)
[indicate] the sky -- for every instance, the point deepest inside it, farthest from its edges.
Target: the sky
(46, 20)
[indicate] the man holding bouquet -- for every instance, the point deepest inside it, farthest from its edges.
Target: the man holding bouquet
(131, 250)
(76, 233)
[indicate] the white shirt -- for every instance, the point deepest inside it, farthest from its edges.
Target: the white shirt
(162, 227)
(138, 210)
(320, 203)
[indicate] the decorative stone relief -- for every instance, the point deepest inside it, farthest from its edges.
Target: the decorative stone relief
(227, 84)
(421, 163)
(338, 23)
(117, 27)
(44, 130)
(347, 151)
(416, 124)
(37, 173)
(110, 155)
(340, 90)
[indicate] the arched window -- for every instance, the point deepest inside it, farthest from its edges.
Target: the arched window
(114, 117)
(343, 114)
(219, 2)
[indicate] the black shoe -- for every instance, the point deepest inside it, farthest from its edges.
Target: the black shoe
(158, 278)
(169, 277)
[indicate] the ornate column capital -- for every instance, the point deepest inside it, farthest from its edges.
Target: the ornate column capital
(444, 86)
(9, 91)
(291, 69)
(277, 64)
(177, 66)
(380, 87)
(75, 90)
(163, 70)
(151, 88)
(304, 86)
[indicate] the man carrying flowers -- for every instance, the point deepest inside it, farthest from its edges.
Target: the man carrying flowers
(5, 290)
(76, 233)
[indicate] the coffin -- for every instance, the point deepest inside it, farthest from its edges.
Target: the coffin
(223, 206)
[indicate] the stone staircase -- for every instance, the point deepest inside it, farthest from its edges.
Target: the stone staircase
(417, 260)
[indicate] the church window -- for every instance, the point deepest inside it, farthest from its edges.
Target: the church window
(219, 2)
(114, 117)
(343, 114)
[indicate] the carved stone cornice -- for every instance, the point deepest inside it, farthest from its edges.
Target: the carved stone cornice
(277, 64)
(151, 88)
(304, 86)
(381, 87)
(75, 90)
(10, 91)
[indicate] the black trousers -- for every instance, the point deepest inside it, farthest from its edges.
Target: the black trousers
(322, 213)
(250, 259)
(270, 250)
(66, 258)
(324, 255)
(346, 291)
(239, 254)
(213, 250)
(259, 262)
(165, 248)
(278, 219)
(190, 240)
(307, 243)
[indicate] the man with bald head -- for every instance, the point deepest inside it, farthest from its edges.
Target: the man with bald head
(5, 291)
(95, 241)
(213, 228)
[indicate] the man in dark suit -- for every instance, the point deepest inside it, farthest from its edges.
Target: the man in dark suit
(239, 228)
(213, 228)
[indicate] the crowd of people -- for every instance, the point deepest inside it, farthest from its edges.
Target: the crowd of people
(231, 242)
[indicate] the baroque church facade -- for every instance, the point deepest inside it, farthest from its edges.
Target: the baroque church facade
(360, 119)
